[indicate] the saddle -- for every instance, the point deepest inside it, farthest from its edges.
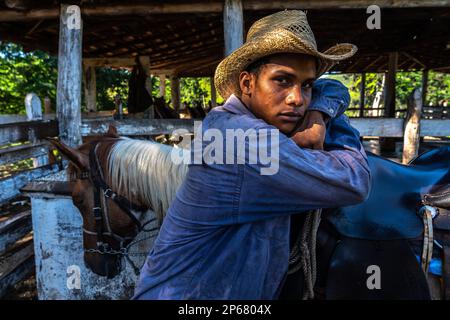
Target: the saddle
(394, 212)
(390, 211)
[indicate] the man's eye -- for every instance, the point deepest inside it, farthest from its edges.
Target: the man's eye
(307, 85)
(281, 80)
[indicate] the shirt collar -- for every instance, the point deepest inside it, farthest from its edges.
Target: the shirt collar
(235, 105)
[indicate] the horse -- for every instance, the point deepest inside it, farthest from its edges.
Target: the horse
(122, 188)
(348, 239)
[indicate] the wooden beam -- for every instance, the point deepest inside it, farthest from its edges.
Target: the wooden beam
(424, 86)
(175, 93)
(362, 95)
(162, 85)
(18, 118)
(213, 7)
(16, 265)
(411, 137)
(389, 101)
(10, 186)
(388, 127)
(233, 25)
(213, 93)
(13, 227)
(29, 150)
(109, 62)
(27, 131)
(378, 127)
(90, 88)
(138, 127)
(68, 100)
(18, 4)
(414, 59)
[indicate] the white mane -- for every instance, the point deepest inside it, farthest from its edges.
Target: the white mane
(144, 170)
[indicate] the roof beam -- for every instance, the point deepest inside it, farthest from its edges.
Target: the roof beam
(213, 7)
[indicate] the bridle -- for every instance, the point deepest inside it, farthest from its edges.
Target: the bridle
(102, 191)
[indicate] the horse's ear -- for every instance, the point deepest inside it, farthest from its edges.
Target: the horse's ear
(112, 132)
(80, 160)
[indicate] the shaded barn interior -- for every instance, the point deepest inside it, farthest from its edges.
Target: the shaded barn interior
(191, 42)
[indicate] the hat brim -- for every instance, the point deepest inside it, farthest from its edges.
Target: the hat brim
(226, 78)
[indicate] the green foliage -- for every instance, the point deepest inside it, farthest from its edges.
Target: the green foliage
(24, 72)
(111, 82)
(406, 82)
(191, 90)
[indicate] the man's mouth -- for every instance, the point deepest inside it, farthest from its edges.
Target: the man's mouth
(290, 116)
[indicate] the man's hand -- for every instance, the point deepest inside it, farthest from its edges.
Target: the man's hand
(311, 133)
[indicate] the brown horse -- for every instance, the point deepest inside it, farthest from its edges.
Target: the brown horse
(122, 187)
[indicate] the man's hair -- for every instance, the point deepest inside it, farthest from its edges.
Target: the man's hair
(256, 66)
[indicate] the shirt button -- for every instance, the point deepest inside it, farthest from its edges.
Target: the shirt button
(331, 110)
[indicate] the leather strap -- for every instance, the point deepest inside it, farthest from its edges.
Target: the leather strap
(100, 184)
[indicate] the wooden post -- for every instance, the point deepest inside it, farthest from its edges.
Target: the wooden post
(213, 93)
(389, 98)
(233, 25)
(362, 95)
(119, 106)
(90, 89)
(33, 107)
(412, 126)
(424, 86)
(68, 99)
(162, 85)
(47, 105)
(175, 91)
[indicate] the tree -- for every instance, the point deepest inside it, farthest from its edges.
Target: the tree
(23, 72)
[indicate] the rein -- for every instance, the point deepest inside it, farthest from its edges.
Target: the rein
(100, 212)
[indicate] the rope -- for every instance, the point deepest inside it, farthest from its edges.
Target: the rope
(427, 251)
(303, 254)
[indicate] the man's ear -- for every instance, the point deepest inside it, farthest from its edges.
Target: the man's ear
(245, 83)
(76, 157)
(112, 132)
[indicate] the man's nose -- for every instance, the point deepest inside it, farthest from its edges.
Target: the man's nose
(295, 99)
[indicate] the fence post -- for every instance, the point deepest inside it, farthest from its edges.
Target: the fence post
(175, 91)
(119, 106)
(411, 137)
(33, 107)
(68, 99)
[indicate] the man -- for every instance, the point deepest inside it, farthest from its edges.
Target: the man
(226, 235)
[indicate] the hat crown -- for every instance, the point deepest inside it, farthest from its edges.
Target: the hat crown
(291, 20)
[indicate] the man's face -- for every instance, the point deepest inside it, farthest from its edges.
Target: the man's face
(281, 91)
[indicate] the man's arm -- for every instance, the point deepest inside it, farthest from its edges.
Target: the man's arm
(330, 98)
(308, 179)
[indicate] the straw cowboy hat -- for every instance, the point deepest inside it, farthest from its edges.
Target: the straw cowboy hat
(282, 32)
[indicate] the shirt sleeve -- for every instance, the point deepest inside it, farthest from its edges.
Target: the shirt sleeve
(308, 179)
(330, 97)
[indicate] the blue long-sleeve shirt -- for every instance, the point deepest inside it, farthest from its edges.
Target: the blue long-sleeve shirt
(226, 235)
